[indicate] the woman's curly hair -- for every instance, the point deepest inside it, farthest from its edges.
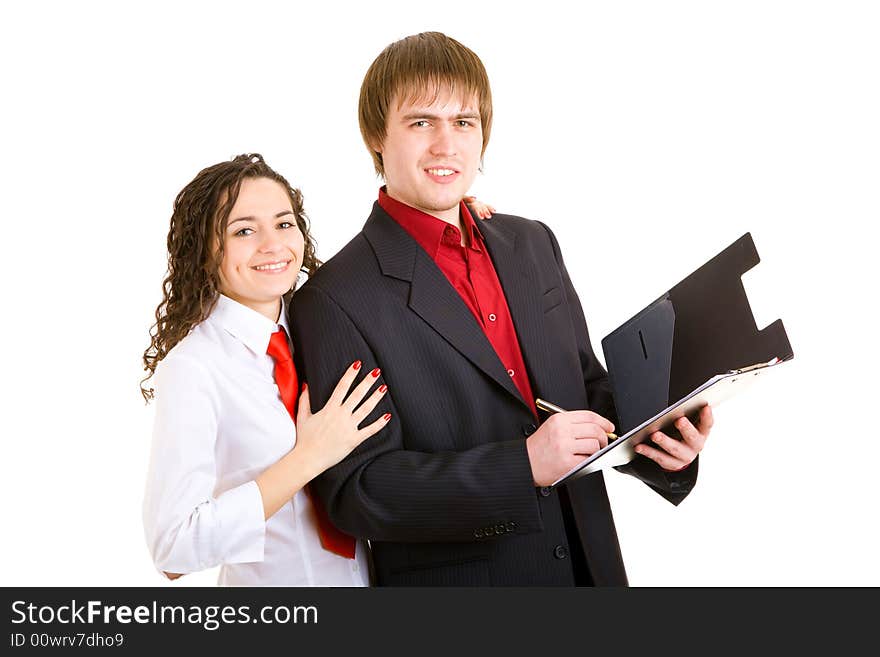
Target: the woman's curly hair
(198, 223)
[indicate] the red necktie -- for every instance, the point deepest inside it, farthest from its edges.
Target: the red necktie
(285, 376)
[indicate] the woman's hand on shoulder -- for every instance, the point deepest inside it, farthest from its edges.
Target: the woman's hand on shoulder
(478, 208)
(328, 436)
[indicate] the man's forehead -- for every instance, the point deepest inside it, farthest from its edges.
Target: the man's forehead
(442, 95)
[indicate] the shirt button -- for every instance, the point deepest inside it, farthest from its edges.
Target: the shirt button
(492, 317)
(510, 373)
(545, 491)
(560, 552)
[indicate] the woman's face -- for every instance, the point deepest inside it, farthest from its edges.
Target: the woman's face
(263, 249)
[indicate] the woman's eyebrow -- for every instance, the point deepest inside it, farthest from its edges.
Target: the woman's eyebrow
(283, 213)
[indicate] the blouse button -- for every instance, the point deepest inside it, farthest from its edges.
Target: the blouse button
(510, 373)
(492, 317)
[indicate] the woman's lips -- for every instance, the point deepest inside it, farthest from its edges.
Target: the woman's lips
(272, 267)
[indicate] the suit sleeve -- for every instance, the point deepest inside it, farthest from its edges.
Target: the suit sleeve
(673, 486)
(385, 492)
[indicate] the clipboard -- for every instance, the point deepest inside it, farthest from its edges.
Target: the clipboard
(700, 327)
(692, 346)
(714, 391)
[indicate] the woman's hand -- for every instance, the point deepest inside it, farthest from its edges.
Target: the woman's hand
(324, 438)
(328, 436)
(478, 208)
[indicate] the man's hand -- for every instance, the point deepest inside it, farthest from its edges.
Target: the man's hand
(563, 441)
(673, 454)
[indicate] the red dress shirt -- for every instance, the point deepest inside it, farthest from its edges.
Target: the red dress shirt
(470, 271)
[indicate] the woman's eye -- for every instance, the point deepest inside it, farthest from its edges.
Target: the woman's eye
(286, 224)
(244, 232)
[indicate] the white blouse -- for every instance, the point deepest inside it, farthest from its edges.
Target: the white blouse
(219, 423)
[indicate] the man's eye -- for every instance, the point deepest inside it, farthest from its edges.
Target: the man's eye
(462, 123)
(421, 124)
(244, 232)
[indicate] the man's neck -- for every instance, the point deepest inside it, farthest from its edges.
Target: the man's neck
(453, 218)
(450, 216)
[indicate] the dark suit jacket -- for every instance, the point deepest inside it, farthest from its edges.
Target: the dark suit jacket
(445, 493)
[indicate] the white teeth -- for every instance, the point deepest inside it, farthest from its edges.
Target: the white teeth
(277, 265)
(441, 172)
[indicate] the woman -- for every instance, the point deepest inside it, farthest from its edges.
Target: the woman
(228, 470)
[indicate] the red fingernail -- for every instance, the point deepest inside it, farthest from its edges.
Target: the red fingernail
(375, 373)
(386, 417)
(302, 390)
(383, 388)
(356, 365)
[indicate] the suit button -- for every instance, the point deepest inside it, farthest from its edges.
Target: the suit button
(529, 429)
(511, 526)
(560, 552)
(478, 533)
(545, 491)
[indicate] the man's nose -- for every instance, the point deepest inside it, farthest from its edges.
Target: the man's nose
(444, 141)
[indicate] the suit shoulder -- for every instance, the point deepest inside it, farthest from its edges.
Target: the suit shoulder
(349, 263)
(519, 224)
(349, 275)
(531, 229)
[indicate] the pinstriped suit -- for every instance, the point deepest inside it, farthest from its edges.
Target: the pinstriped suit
(445, 492)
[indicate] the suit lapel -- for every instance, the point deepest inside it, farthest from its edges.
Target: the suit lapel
(519, 280)
(432, 297)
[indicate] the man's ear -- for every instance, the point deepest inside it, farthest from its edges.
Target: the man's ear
(377, 150)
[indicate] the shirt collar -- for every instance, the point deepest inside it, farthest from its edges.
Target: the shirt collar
(427, 229)
(247, 325)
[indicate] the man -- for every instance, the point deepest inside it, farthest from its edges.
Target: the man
(468, 324)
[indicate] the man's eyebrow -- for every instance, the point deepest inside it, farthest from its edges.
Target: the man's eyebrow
(426, 115)
(283, 213)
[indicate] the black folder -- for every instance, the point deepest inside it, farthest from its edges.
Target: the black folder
(689, 347)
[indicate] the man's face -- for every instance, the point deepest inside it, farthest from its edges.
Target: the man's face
(431, 152)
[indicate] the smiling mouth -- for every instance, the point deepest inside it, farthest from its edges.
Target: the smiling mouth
(272, 266)
(442, 172)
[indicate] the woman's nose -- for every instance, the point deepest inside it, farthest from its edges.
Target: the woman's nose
(270, 243)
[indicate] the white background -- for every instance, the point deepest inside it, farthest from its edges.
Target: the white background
(648, 135)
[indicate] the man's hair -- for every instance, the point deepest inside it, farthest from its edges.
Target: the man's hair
(417, 68)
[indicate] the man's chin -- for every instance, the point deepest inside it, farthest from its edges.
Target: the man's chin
(445, 203)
